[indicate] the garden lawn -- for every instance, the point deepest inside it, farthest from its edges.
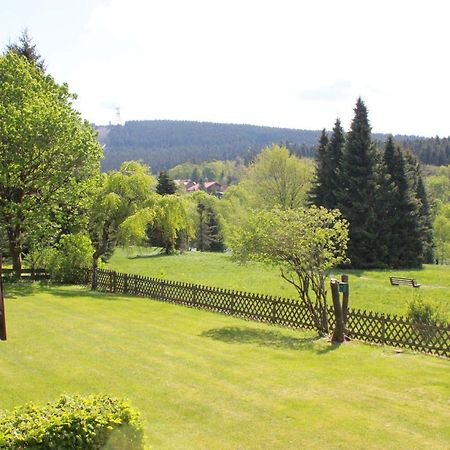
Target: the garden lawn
(208, 381)
(369, 289)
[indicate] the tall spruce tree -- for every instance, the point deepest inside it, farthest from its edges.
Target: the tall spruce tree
(165, 186)
(334, 152)
(356, 192)
(404, 244)
(422, 205)
(320, 188)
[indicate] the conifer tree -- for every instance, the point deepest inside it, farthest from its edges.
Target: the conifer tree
(405, 248)
(26, 48)
(356, 194)
(334, 152)
(320, 187)
(422, 205)
(165, 186)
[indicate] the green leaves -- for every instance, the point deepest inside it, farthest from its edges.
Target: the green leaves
(73, 422)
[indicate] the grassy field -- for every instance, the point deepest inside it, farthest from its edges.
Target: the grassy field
(207, 381)
(369, 289)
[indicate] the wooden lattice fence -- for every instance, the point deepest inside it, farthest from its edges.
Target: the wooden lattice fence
(361, 325)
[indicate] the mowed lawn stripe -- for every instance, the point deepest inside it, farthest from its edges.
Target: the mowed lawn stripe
(205, 380)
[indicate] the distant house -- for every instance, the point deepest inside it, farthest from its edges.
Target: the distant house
(211, 187)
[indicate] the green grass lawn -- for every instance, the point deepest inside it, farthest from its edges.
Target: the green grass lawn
(369, 289)
(208, 381)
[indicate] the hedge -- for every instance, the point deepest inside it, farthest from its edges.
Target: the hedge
(73, 422)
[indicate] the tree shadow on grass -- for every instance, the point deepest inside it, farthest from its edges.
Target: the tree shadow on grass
(262, 338)
(16, 289)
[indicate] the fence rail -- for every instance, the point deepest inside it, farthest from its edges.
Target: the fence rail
(33, 274)
(361, 325)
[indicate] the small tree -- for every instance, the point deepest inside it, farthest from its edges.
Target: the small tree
(165, 186)
(304, 243)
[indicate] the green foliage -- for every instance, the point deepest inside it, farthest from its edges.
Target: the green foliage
(73, 422)
(441, 227)
(304, 243)
(208, 224)
(73, 253)
(425, 312)
(170, 220)
(224, 172)
(120, 195)
(277, 179)
(48, 155)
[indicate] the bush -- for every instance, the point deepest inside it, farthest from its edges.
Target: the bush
(73, 422)
(420, 311)
(73, 253)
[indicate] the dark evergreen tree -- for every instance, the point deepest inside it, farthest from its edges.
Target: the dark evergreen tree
(165, 186)
(356, 192)
(418, 192)
(404, 242)
(320, 187)
(203, 231)
(334, 151)
(209, 233)
(26, 48)
(217, 243)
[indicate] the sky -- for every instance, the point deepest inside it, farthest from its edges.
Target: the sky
(282, 63)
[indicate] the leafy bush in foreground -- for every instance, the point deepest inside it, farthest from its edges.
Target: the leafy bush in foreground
(73, 422)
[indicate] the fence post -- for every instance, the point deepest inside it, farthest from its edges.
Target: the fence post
(114, 277)
(338, 333)
(345, 297)
(383, 329)
(273, 316)
(194, 295)
(125, 283)
(2, 306)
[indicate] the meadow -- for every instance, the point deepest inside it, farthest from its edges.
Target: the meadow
(207, 381)
(369, 289)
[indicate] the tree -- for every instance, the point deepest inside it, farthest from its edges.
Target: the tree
(27, 49)
(278, 179)
(170, 220)
(48, 155)
(328, 160)
(120, 195)
(356, 193)
(165, 186)
(209, 235)
(423, 210)
(399, 225)
(320, 187)
(304, 243)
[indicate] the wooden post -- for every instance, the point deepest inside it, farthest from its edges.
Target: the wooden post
(345, 298)
(2, 306)
(125, 283)
(338, 333)
(273, 316)
(114, 278)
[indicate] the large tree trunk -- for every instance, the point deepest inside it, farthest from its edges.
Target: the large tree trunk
(338, 333)
(15, 248)
(94, 271)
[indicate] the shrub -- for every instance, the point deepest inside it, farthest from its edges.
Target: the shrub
(421, 311)
(73, 422)
(73, 253)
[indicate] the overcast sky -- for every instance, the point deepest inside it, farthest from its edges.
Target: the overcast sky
(296, 64)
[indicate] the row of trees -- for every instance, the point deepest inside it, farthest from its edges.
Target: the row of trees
(380, 192)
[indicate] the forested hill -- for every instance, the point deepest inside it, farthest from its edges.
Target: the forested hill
(163, 144)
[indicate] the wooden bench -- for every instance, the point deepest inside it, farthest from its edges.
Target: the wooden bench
(396, 281)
